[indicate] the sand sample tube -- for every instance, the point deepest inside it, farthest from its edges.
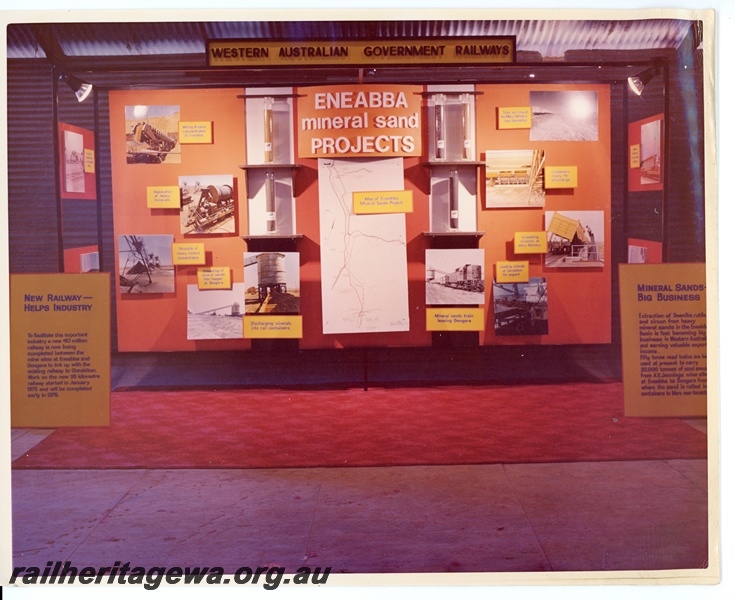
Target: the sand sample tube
(466, 125)
(268, 128)
(270, 202)
(439, 101)
(453, 199)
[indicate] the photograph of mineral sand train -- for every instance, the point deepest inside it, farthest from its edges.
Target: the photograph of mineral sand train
(455, 276)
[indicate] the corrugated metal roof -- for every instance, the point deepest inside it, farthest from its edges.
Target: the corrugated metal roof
(549, 38)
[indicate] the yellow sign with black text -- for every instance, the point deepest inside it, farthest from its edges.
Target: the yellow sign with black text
(372, 203)
(664, 341)
(273, 326)
(59, 349)
(455, 319)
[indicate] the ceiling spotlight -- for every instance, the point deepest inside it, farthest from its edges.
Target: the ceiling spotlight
(638, 82)
(81, 89)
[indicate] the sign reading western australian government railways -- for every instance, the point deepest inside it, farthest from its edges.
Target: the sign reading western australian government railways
(271, 53)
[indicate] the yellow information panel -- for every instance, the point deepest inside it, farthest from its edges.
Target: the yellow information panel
(188, 254)
(383, 202)
(215, 278)
(513, 271)
(59, 349)
(635, 156)
(273, 326)
(195, 132)
(165, 196)
(531, 242)
(88, 160)
(663, 315)
(455, 319)
(561, 177)
(514, 117)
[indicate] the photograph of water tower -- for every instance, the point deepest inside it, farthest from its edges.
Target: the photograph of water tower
(272, 283)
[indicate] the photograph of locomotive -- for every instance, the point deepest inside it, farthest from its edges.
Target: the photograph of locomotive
(146, 264)
(207, 204)
(272, 282)
(152, 134)
(521, 308)
(454, 276)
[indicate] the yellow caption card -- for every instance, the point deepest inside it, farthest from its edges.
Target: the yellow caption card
(635, 156)
(271, 326)
(561, 177)
(455, 319)
(664, 339)
(88, 160)
(215, 278)
(60, 349)
(513, 271)
(383, 202)
(195, 132)
(189, 254)
(166, 196)
(514, 117)
(531, 242)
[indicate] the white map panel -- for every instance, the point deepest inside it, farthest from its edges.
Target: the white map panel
(364, 267)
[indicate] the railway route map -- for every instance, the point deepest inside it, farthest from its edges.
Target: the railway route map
(364, 268)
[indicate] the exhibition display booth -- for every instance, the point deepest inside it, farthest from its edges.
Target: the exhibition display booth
(491, 229)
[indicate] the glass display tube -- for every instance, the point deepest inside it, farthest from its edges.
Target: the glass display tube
(268, 128)
(439, 102)
(453, 199)
(466, 125)
(270, 202)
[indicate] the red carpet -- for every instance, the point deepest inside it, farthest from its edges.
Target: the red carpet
(380, 427)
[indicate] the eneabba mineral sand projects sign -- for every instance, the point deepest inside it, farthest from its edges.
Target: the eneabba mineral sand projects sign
(367, 121)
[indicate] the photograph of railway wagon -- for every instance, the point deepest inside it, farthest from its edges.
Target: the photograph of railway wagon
(575, 238)
(454, 276)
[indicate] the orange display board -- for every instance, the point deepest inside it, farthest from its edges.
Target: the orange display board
(60, 350)
(579, 303)
(663, 312)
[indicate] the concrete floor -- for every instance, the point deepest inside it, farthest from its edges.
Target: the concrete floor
(511, 518)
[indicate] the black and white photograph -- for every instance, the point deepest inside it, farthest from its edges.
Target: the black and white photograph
(575, 238)
(515, 178)
(215, 314)
(565, 116)
(73, 162)
(273, 283)
(521, 308)
(207, 204)
(146, 264)
(454, 276)
(152, 134)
